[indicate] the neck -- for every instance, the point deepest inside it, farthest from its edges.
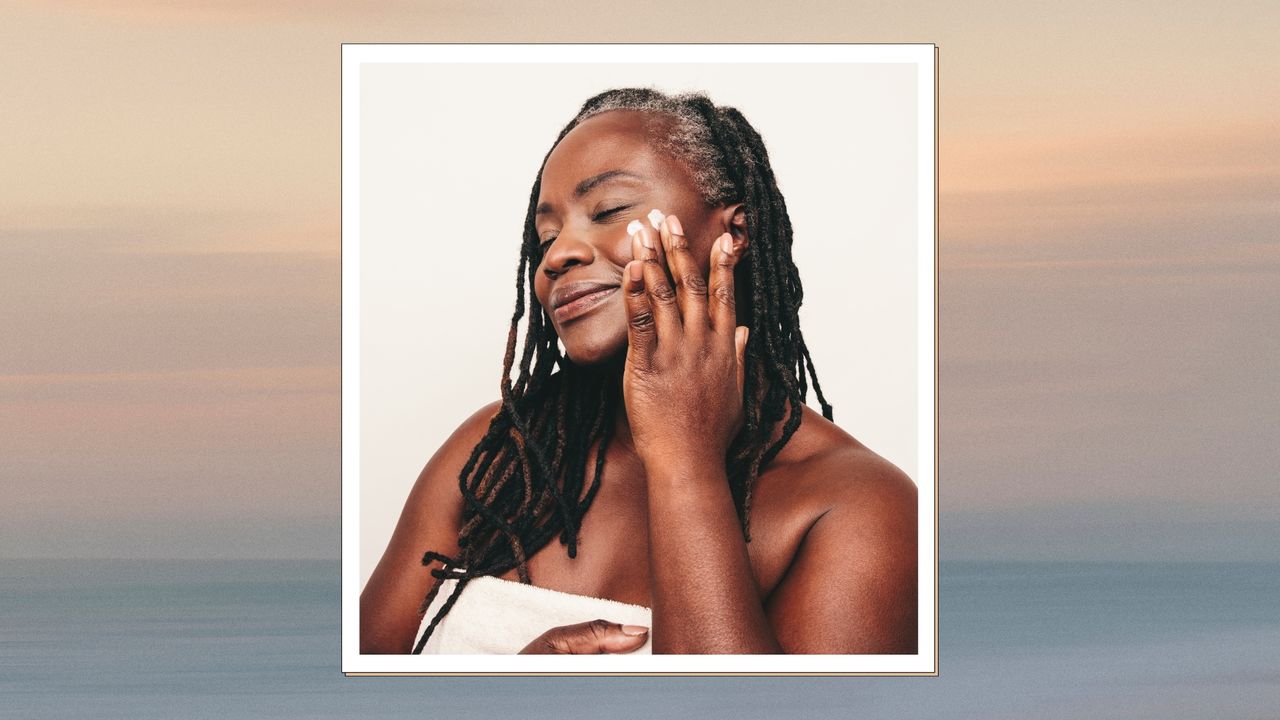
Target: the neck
(622, 425)
(622, 429)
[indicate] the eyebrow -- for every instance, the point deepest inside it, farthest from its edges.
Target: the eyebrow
(590, 184)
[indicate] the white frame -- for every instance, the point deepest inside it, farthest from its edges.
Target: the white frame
(923, 663)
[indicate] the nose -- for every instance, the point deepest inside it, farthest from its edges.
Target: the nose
(568, 249)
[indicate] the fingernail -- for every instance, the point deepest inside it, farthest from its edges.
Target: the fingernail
(655, 218)
(637, 271)
(633, 227)
(634, 629)
(726, 244)
(646, 240)
(673, 225)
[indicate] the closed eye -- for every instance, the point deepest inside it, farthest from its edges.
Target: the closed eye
(542, 247)
(614, 211)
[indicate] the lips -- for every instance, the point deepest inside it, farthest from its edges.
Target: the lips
(567, 293)
(574, 299)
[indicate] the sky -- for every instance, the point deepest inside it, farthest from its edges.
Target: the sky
(1110, 269)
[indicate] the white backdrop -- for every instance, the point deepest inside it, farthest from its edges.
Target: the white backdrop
(448, 156)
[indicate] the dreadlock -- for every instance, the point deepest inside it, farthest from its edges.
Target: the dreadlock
(525, 481)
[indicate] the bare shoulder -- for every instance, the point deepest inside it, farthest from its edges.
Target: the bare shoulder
(430, 520)
(435, 500)
(851, 586)
(438, 482)
(838, 471)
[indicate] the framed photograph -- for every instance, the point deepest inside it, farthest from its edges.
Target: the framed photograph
(639, 359)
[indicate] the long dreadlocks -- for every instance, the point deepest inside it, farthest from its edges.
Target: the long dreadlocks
(523, 483)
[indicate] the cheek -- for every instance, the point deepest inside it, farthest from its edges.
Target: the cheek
(701, 231)
(701, 252)
(541, 285)
(703, 256)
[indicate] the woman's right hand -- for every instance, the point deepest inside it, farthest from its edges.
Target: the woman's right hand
(589, 638)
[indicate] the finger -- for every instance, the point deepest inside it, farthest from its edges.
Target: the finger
(662, 303)
(642, 335)
(740, 337)
(646, 244)
(658, 286)
(611, 637)
(637, 250)
(724, 259)
(691, 286)
(597, 637)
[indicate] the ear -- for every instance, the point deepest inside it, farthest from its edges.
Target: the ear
(733, 218)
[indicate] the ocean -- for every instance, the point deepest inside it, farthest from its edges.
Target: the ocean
(246, 639)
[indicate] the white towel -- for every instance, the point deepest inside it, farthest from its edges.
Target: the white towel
(500, 617)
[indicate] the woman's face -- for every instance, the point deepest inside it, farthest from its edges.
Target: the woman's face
(601, 176)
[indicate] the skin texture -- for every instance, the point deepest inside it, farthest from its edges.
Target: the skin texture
(832, 563)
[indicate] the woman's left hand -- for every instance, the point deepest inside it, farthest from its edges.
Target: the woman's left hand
(682, 384)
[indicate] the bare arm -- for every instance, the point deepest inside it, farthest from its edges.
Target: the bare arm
(705, 598)
(430, 520)
(852, 586)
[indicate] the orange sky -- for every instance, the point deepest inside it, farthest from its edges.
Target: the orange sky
(169, 222)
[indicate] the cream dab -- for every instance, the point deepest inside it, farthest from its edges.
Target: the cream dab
(655, 217)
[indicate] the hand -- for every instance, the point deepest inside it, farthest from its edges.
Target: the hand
(589, 638)
(682, 383)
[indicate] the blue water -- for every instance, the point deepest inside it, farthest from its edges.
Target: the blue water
(233, 639)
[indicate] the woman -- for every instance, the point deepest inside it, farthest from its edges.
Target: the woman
(737, 518)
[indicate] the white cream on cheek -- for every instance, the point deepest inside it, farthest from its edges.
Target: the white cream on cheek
(655, 217)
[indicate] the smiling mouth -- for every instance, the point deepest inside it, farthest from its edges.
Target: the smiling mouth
(582, 305)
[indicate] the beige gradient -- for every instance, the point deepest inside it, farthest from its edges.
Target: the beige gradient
(169, 239)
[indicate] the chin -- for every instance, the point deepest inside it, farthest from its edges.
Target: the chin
(589, 357)
(594, 351)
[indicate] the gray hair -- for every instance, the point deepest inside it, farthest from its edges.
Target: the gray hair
(687, 138)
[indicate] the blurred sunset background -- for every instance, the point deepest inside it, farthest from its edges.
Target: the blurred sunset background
(1110, 266)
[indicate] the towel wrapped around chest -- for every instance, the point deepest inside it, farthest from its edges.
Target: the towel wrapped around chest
(500, 617)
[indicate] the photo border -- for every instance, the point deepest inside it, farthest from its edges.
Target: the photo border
(925, 56)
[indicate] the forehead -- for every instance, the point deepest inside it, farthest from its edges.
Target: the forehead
(611, 140)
